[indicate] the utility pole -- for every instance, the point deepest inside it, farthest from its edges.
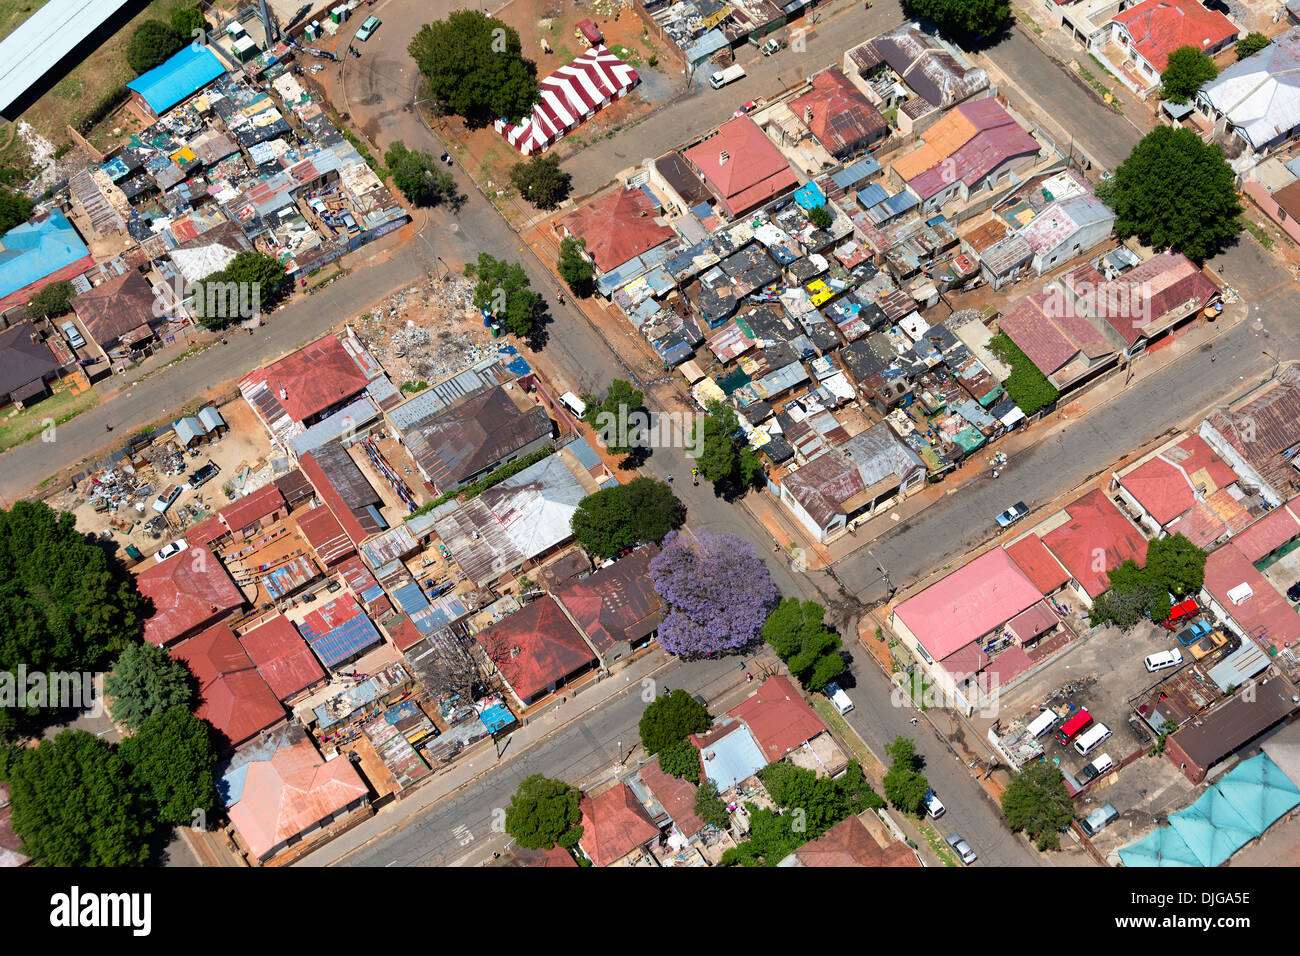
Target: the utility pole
(884, 576)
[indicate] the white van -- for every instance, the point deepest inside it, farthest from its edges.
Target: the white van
(1091, 740)
(1158, 662)
(1042, 724)
(574, 404)
(933, 805)
(1101, 765)
(840, 699)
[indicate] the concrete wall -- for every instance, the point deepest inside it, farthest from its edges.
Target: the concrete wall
(1264, 200)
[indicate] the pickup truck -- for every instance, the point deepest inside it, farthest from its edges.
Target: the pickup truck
(1193, 632)
(721, 78)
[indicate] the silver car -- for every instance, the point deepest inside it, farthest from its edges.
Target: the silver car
(962, 847)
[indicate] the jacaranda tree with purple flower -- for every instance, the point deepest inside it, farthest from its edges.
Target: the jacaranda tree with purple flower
(717, 589)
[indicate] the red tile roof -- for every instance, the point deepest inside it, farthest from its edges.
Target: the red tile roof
(753, 172)
(282, 657)
(1051, 341)
(343, 515)
(838, 114)
(617, 226)
(849, 843)
(1159, 27)
(325, 535)
(188, 591)
(1096, 529)
(1266, 614)
(617, 603)
(206, 531)
(535, 647)
(252, 508)
(1271, 531)
(613, 825)
(312, 379)
(967, 604)
(1032, 557)
(1164, 485)
(292, 792)
(778, 717)
(1136, 303)
(234, 698)
(675, 795)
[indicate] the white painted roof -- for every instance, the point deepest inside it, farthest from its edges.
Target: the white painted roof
(44, 38)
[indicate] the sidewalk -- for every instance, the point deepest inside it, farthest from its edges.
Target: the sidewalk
(785, 529)
(466, 771)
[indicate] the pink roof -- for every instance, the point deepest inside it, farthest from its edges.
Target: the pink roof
(969, 603)
(1164, 486)
(1096, 529)
(1135, 304)
(1033, 558)
(1271, 531)
(282, 657)
(1159, 27)
(1266, 614)
(292, 792)
(188, 591)
(998, 138)
(614, 824)
(1051, 342)
(753, 172)
(1029, 624)
(1213, 517)
(617, 226)
(312, 379)
(778, 717)
(234, 698)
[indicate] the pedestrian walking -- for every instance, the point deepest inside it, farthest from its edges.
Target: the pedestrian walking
(108, 428)
(223, 340)
(670, 479)
(1220, 270)
(913, 720)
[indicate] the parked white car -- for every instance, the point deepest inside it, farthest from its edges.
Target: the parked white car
(1163, 660)
(176, 547)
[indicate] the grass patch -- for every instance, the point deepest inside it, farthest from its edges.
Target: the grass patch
(14, 12)
(61, 407)
(1027, 386)
(917, 689)
(937, 843)
(1262, 237)
(872, 767)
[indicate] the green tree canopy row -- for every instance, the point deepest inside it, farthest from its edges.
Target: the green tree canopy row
(1037, 802)
(618, 518)
(543, 813)
(797, 634)
(418, 176)
(474, 65)
(723, 458)
(671, 718)
(1187, 71)
(15, 209)
(540, 180)
(152, 43)
(576, 269)
(252, 284)
(503, 290)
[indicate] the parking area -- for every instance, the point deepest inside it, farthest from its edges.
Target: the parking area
(1101, 674)
(1144, 795)
(1285, 573)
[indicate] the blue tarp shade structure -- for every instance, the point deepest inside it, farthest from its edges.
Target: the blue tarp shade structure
(1163, 847)
(193, 68)
(35, 250)
(1212, 828)
(1260, 792)
(343, 641)
(810, 196)
(513, 360)
(497, 717)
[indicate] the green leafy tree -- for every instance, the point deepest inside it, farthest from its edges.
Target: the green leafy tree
(905, 785)
(544, 812)
(1027, 386)
(504, 291)
(819, 799)
(857, 790)
(15, 209)
(1176, 192)
(1133, 594)
(820, 217)
(722, 459)
(1251, 44)
(64, 604)
(615, 519)
(145, 681)
(772, 838)
(1037, 802)
(152, 43)
(171, 758)
(73, 804)
(52, 301)
(619, 418)
(1167, 727)
(474, 64)
(541, 181)
(671, 718)
(709, 806)
(417, 175)
(1177, 564)
(251, 285)
(185, 20)
(961, 19)
(576, 269)
(1105, 191)
(797, 634)
(1187, 71)
(681, 760)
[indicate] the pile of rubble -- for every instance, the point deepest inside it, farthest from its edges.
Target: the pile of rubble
(426, 333)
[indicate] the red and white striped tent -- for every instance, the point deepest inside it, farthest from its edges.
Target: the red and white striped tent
(570, 96)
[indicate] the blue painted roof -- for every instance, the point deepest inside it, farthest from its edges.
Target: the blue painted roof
(871, 196)
(851, 175)
(900, 203)
(810, 196)
(193, 68)
(187, 429)
(585, 454)
(30, 252)
(343, 641)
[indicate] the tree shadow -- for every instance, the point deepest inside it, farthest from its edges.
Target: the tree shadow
(636, 458)
(540, 334)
